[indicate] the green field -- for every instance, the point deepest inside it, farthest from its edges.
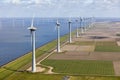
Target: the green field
(38, 76)
(94, 78)
(81, 67)
(35, 76)
(107, 47)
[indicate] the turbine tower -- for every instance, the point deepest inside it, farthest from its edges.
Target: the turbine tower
(58, 36)
(77, 33)
(84, 24)
(70, 37)
(81, 26)
(32, 30)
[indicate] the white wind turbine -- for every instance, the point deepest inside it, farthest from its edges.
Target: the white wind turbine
(81, 26)
(77, 33)
(32, 30)
(58, 36)
(70, 36)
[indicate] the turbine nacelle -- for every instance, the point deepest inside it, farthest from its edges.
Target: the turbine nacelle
(70, 21)
(57, 23)
(32, 28)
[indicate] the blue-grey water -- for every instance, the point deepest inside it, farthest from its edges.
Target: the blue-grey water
(15, 37)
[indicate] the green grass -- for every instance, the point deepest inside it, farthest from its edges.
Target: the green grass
(38, 76)
(35, 76)
(107, 47)
(81, 67)
(20, 63)
(108, 43)
(94, 78)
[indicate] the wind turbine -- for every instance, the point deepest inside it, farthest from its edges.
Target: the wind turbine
(84, 23)
(32, 30)
(81, 25)
(70, 37)
(90, 21)
(77, 34)
(58, 36)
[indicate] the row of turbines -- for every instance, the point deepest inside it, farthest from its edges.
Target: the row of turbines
(84, 24)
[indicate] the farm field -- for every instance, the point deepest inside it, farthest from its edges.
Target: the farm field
(39, 76)
(35, 76)
(94, 78)
(100, 46)
(107, 47)
(81, 67)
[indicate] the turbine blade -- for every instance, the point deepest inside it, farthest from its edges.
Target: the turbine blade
(32, 22)
(56, 25)
(57, 21)
(55, 28)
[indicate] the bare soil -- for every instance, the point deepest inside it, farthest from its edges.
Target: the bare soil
(76, 55)
(88, 48)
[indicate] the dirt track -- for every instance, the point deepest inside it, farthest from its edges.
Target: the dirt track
(87, 56)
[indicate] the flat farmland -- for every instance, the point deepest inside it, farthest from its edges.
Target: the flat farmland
(94, 78)
(81, 67)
